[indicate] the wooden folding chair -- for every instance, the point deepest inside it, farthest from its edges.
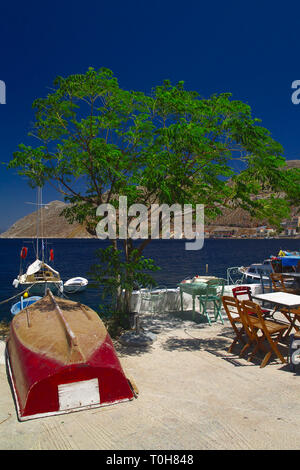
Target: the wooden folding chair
(232, 306)
(264, 334)
(279, 284)
(276, 265)
(242, 290)
(246, 291)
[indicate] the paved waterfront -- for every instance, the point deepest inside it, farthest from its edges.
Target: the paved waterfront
(193, 395)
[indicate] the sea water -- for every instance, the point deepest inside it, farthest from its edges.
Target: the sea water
(74, 257)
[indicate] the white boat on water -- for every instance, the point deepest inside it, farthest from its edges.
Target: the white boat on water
(255, 270)
(39, 276)
(75, 284)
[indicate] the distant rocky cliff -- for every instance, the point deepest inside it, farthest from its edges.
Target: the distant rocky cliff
(54, 225)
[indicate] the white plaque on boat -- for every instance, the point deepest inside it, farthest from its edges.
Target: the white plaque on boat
(78, 394)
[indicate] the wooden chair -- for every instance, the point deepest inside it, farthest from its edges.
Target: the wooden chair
(276, 265)
(279, 284)
(246, 291)
(232, 308)
(242, 290)
(263, 334)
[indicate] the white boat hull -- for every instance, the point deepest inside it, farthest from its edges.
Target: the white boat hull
(76, 284)
(73, 289)
(39, 288)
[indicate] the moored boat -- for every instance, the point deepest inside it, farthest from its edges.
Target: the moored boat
(286, 259)
(61, 358)
(23, 303)
(255, 270)
(39, 277)
(76, 284)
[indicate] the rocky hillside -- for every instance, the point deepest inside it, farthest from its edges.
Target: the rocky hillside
(54, 225)
(241, 218)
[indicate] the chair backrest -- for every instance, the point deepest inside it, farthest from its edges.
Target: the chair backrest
(278, 283)
(159, 290)
(265, 282)
(215, 287)
(234, 275)
(232, 308)
(242, 290)
(145, 293)
(247, 311)
(248, 307)
(276, 265)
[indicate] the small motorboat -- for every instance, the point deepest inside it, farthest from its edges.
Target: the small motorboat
(23, 303)
(60, 359)
(76, 284)
(255, 270)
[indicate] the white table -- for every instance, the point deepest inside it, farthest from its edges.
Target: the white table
(280, 298)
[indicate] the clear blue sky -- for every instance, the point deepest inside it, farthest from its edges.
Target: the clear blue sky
(248, 48)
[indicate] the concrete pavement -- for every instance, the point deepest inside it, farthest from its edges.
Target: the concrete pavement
(193, 395)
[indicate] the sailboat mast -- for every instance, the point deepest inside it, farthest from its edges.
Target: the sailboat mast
(38, 221)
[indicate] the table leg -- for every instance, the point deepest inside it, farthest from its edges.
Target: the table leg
(181, 300)
(288, 316)
(193, 306)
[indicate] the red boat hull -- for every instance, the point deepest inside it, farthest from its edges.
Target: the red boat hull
(43, 385)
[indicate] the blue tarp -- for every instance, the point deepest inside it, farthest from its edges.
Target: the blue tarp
(290, 260)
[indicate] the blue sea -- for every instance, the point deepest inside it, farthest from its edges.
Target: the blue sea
(74, 257)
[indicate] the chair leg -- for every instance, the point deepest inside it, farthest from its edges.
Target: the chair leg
(266, 359)
(193, 315)
(238, 337)
(217, 311)
(205, 312)
(244, 349)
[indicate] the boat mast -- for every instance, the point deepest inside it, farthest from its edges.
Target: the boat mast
(39, 224)
(37, 221)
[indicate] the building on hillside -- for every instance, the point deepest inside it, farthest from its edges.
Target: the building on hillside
(265, 231)
(291, 226)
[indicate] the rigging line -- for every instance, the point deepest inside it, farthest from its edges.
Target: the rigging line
(17, 295)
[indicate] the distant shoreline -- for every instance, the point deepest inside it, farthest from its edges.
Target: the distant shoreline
(186, 239)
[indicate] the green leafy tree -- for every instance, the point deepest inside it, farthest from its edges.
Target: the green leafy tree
(98, 141)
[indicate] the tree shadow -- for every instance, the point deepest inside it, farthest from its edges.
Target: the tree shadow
(124, 350)
(195, 344)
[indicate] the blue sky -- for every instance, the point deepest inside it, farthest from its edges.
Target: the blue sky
(250, 49)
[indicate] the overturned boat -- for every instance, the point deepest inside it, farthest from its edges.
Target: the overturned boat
(60, 359)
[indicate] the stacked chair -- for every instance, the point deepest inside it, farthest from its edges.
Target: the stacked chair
(253, 330)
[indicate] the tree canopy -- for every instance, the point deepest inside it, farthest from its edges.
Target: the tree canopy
(97, 140)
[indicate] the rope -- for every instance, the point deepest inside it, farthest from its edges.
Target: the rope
(28, 289)
(17, 295)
